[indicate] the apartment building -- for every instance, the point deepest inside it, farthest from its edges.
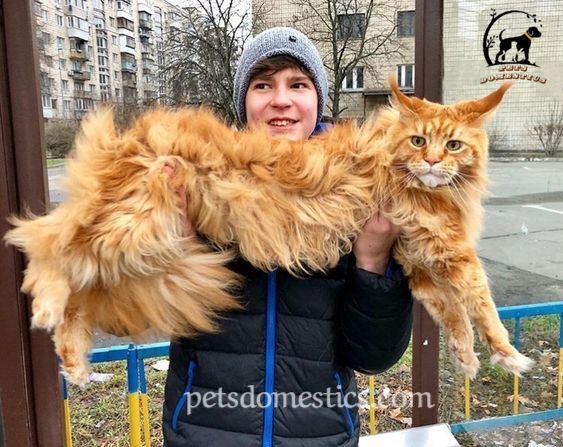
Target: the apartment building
(99, 51)
(364, 87)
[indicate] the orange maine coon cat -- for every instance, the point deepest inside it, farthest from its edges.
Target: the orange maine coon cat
(113, 255)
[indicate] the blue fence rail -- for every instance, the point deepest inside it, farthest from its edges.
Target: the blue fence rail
(516, 313)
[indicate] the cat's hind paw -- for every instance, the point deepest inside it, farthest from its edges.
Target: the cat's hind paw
(47, 317)
(514, 362)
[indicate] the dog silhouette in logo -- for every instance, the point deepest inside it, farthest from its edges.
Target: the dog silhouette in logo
(522, 42)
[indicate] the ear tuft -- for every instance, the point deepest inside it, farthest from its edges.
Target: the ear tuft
(482, 109)
(406, 105)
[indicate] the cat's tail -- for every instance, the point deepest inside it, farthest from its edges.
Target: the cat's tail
(182, 301)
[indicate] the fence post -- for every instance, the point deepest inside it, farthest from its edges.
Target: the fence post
(133, 389)
(426, 336)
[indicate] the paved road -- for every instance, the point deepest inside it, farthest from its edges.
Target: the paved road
(522, 243)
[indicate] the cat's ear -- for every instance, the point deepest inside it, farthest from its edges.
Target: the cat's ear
(406, 105)
(479, 110)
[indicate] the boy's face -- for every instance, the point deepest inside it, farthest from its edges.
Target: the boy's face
(285, 101)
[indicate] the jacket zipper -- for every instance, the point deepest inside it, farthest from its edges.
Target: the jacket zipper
(184, 398)
(270, 360)
(340, 388)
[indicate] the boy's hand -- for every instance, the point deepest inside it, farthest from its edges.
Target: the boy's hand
(189, 229)
(374, 244)
(182, 198)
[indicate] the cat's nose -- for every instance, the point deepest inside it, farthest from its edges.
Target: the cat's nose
(432, 160)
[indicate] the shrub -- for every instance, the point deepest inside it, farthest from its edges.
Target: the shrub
(59, 137)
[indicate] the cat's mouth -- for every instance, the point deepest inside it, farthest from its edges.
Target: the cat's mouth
(433, 180)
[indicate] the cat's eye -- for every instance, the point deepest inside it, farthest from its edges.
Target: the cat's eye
(453, 145)
(418, 141)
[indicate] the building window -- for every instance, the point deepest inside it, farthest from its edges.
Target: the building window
(62, 64)
(60, 43)
(112, 21)
(46, 101)
(49, 61)
(116, 74)
(64, 85)
(102, 42)
(117, 93)
(405, 23)
(60, 20)
(350, 26)
(405, 76)
(99, 23)
(66, 105)
(102, 61)
(104, 79)
(354, 79)
(45, 15)
(46, 38)
(53, 103)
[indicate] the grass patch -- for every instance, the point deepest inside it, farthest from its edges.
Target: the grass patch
(100, 414)
(53, 162)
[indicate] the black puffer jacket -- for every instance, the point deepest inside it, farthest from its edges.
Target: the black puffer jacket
(296, 340)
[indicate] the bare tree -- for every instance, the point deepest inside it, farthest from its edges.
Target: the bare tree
(350, 34)
(549, 129)
(202, 48)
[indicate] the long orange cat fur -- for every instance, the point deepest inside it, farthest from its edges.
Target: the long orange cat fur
(114, 255)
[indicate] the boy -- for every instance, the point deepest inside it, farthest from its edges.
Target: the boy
(279, 372)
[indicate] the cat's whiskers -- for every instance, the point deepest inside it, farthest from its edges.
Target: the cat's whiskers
(467, 182)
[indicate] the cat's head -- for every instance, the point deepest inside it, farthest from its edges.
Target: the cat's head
(436, 145)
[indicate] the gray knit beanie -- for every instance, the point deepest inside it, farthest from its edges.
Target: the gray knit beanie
(275, 42)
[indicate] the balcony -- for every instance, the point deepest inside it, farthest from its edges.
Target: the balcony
(130, 67)
(145, 6)
(144, 33)
(129, 83)
(48, 112)
(85, 94)
(124, 12)
(78, 55)
(145, 24)
(78, 33)
(73, 10)
(148, 66)
(147, 56)
(79, 75)
(127, 47)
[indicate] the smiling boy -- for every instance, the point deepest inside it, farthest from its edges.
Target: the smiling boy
(279, 373)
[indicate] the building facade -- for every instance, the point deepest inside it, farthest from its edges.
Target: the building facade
(99, 51)
(487, 42)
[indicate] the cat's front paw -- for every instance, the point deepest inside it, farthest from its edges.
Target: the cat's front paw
(466, 360)
(512, 360)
